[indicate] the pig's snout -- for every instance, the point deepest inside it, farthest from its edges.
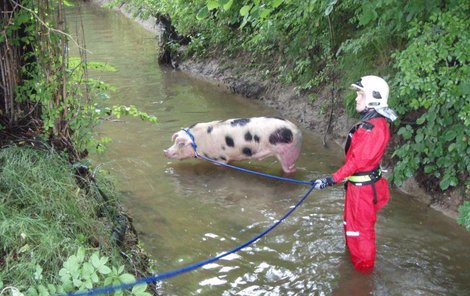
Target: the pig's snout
(167, 153)
(171, 153)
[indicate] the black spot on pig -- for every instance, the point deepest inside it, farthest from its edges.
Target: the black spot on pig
(248, 137)
(240, 122)
(257, 139)
(281, 135)
(247, 151)
(223, 158)
(229, 141)
(209, 129)
(223, 147)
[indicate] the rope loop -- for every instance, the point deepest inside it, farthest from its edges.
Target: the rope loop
(193, 142)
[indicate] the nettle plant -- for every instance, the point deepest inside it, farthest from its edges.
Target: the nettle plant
(433, 83)
(81, 273)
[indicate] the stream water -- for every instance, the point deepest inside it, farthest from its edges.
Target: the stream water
(188, 211)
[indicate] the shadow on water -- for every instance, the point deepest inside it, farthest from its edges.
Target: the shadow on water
(187, 211)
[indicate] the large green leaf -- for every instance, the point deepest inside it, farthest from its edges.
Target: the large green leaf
(202, 13)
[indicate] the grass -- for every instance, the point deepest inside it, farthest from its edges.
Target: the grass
(44, 217)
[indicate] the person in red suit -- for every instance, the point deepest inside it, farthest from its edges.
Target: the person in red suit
(367, 191)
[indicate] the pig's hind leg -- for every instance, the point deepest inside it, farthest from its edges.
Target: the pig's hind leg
(287, 156)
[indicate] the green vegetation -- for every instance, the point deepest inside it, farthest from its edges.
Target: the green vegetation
(420, 47)
(56, 228)
(464, 215)
(46, 224)
(433, 81)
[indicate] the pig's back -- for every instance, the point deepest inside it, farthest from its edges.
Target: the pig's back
(256, 130)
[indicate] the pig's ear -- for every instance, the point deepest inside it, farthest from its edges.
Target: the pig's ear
(174, 137)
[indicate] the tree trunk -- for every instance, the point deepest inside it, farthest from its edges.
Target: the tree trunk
(9, 66)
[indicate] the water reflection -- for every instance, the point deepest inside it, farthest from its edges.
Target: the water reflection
(188, 211)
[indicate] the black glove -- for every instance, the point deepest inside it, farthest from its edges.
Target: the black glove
(323, 182)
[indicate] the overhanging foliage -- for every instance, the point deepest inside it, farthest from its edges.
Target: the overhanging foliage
(433, 83)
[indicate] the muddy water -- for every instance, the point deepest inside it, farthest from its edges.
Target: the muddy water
(188, 211)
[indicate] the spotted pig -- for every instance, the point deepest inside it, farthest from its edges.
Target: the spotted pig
(241, 139)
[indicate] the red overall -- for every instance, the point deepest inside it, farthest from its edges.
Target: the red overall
(366, 145)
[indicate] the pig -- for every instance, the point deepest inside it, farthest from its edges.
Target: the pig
(240, 139)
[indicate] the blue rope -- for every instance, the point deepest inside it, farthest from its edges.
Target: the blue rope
(175, 272)
(184, 269)
(193, 144)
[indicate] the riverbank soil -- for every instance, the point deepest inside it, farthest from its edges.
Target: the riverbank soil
(325, 115)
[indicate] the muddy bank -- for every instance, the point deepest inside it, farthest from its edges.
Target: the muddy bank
(325, 115)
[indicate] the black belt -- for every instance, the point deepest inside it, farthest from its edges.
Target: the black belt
(366, 178)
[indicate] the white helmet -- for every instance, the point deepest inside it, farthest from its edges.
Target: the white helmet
(376, 92)
(375, 89)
